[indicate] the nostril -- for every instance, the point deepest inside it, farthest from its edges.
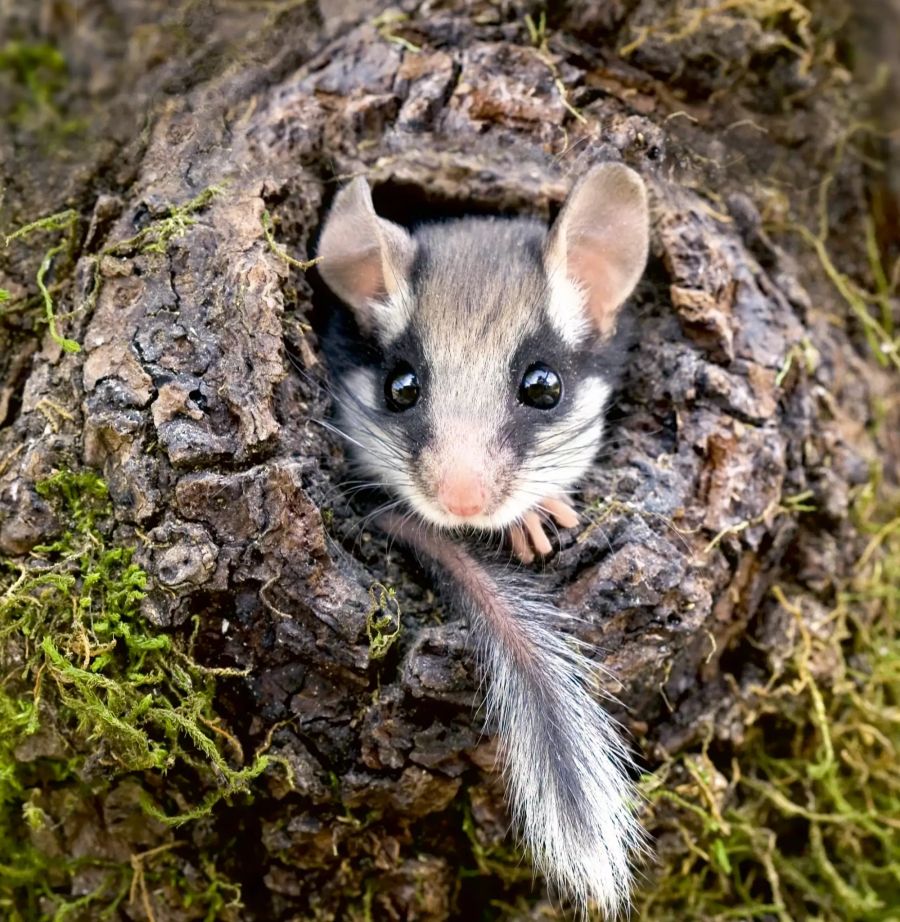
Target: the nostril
(462, 494)
(465, 508)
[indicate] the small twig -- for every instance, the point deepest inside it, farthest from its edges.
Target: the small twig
(139, 884)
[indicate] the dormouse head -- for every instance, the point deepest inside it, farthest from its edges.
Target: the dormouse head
(479, 384)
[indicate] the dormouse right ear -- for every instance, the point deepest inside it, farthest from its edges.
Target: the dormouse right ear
(600, 240)
(365, 259)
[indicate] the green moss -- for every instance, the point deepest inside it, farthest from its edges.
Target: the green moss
(803, 352)
(66, 222)
(387, 22)
(539, 38)
(502, 861)
(174, 222)
(802, 821)
(689, 22)
(382, 620)
(81, 664)
(875, 320)
(219, 896)
(38, 72)
(280, 251)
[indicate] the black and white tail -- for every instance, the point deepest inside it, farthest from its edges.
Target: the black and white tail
(567, 770)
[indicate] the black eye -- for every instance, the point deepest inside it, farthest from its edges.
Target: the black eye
(401, 388)
(541, 387)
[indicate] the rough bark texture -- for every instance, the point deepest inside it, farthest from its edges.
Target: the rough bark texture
(185, 398)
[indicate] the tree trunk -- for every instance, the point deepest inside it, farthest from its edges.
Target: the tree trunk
(200, 152)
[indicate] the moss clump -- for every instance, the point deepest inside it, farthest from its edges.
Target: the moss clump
(382, 620)
(803, 822)
(81, 666)
(174, 222)
(36, 72)
(503, 861)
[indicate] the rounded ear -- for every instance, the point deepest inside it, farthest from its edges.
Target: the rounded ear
(600, 241)
(364, 259)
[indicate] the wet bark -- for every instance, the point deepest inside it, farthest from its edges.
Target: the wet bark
(199, 383)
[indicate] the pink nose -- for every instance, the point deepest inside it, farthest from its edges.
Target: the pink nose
(462, 493)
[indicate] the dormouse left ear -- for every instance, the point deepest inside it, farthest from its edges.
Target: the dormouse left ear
(365, 259)
(600, 241)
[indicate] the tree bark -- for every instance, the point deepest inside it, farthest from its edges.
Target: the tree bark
(208, 157)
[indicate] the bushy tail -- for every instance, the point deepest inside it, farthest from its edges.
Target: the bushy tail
(566, 767)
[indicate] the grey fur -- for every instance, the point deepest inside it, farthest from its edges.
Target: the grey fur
(475, 281)
(566, 767)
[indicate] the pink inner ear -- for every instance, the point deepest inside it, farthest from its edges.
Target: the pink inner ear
(368, 276)
(358, 277)
(599, 280)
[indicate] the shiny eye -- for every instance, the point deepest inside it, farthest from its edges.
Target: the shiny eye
(401, 388)
(541, 387)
